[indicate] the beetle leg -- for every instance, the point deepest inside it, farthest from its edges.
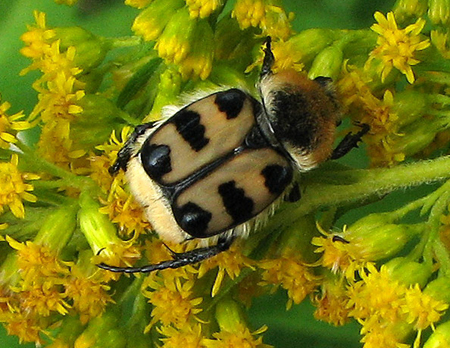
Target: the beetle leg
(124, 154)
(349, 142)
(179, 259)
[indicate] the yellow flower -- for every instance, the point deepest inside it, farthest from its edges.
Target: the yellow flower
(202, 8)
(123, 210)
(231, 263)
(272, 19)
(37, 37)
(291, 274)
(331, 303)
(101, 164)
(397, 47)
(10, 125)
(27, 328)
(151, 22)
(421, 309)
(44, 299)
(249, 13)
(13, 188)
(239, 337)
(38, 263)
(88, 295)
(189, 336)
(173, 301)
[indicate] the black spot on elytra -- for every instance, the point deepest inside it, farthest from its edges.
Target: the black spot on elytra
(156, 160)
(193, 219)
(231, 102)
(188, 125)
(276, 178)
(237, 205)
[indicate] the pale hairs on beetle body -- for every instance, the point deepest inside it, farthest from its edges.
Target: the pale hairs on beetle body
(219, 166)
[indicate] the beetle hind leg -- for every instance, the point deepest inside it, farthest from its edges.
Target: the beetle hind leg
(179, 259)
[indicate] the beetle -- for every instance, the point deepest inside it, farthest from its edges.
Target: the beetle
(216, 166)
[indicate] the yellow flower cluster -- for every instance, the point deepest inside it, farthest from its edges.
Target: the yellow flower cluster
(62, 213)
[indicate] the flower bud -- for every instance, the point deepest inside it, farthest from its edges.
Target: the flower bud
(327, 63)
(439, 289)
(97, 228)
(439, 11)
(409, 106)
(311, 41)
(374, 237)
(410, 8)
(90, 50)
(229, 315)
(440, 337)
(414, 137)
(58, 228)
(408, 272)
(151, 22)
(93, 125)
(103, 331)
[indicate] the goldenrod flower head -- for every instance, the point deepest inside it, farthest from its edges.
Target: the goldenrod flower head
(123, 210)
(397, 47)
(173, 300)
(202, 8)
(37, 37)
(276, 23)
(331, 302)
(38, 264)
(249, 13)
(240, 337)
(231, 263)
(176, 41)
(421, 309)
(13, 187)
(269, 17)
(43, 300)
(89, 296)
(198, 63)
(291, 274)
(189, 336)
(10, 125)
(151, 22)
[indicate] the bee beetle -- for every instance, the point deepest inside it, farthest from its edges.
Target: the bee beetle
(219, 163)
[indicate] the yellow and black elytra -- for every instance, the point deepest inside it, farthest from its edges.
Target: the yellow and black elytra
(217, 166)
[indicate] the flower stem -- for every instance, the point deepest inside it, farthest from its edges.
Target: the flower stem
(338, 186)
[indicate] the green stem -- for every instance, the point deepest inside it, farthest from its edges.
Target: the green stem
(67, 178)
(126, 41)
(340, 187)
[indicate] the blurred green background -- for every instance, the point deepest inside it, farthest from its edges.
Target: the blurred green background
(287, 329)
